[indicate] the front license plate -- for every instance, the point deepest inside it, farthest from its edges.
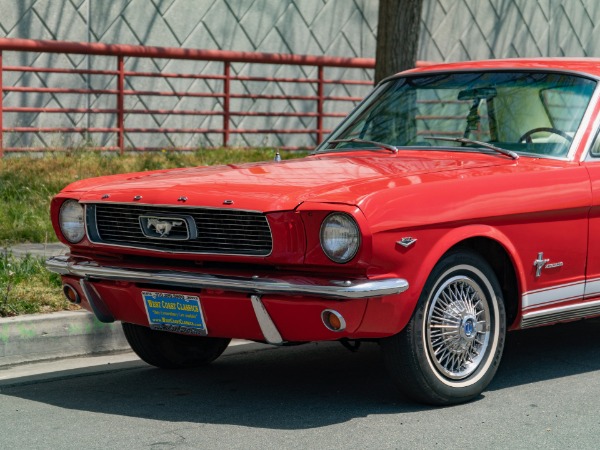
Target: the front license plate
(174, 312)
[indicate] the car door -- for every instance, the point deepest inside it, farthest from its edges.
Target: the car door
(592, 164)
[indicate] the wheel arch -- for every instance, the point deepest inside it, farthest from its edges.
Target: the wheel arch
(500, 262)
(496, 249)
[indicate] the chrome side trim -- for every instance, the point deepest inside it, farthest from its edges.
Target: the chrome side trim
(306, 286)
(553, 294)
(268, 328)
(560, 314)
(592, 288)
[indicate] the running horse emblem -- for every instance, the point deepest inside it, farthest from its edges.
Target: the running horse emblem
(163, 227)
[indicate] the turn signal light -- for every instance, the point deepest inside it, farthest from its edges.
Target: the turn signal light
(333, 320)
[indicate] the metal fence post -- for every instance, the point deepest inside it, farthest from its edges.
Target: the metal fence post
(1, 105)
(121, 104)
(226, 98)
(320, 102)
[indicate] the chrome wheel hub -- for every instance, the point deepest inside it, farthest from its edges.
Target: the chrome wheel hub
(457, 328)
(468, 327)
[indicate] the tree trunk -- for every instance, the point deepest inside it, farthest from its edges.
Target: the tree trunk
(397, 36)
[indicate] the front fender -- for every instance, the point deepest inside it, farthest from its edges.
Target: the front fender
(389, 315)
(454, 237)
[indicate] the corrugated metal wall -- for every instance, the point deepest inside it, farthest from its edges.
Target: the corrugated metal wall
(333, 27)
(454, 30)
(451, 30)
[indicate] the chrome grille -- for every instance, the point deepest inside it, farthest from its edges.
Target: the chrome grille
(218, 231)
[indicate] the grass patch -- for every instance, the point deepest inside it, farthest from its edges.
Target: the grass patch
(27, 184)
(26, 287)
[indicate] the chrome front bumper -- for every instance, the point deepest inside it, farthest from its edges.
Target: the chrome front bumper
(311, 287)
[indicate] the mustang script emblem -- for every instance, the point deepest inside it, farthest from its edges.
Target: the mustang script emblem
(173, 228)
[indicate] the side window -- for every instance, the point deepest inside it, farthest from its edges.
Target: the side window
(595, 148)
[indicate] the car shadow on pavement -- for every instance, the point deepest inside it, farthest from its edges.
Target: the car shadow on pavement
(548, 353)
(307, 386)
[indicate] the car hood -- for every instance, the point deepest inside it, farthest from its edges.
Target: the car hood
(271, 186)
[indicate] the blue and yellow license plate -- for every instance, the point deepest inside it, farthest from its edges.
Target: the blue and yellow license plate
(174, 312)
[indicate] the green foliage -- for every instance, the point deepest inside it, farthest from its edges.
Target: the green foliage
(28, 184)
(26, 287)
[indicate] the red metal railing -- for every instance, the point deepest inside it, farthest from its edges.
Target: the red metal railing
(229, 87)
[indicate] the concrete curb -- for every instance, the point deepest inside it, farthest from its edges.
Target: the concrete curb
(36, 250)
(39, 337)
(36, 338)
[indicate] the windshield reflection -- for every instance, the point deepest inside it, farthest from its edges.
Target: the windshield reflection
(535, 113)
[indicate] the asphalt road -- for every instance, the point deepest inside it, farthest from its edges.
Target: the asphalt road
(546, 395)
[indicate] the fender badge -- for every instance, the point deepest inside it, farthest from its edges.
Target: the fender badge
(544, 263)
(406, 241)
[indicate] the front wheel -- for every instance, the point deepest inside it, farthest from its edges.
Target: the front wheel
(452, 346)
(173, 351)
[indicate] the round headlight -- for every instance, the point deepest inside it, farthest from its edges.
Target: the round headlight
(340, 237)
(70, 219)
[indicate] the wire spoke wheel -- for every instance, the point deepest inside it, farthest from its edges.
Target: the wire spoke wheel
(451, 348)
(457, 327)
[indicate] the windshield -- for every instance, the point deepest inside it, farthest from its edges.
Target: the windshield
(526, 112)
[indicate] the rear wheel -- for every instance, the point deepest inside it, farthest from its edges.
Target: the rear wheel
(451, 348)
(171, 350)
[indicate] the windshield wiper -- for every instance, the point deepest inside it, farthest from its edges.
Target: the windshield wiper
(383, 145)
(463, 140)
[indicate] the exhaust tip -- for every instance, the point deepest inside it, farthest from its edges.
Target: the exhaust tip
(333, 320)
(71, 294)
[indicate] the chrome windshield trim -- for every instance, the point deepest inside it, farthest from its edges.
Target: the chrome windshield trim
(311, 287)
(586, 154)
(583, 126)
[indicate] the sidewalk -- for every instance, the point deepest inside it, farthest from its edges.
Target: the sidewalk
(41, 250)
(65, 334)
(38, 337)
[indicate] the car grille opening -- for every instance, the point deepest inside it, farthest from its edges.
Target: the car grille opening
(195, 230)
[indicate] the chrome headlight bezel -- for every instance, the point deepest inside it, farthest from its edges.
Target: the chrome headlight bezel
(71, 220)
(340, 237)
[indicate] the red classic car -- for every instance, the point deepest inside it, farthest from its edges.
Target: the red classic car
(456, 202)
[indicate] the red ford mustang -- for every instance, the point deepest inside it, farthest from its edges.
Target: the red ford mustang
(456, 202)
